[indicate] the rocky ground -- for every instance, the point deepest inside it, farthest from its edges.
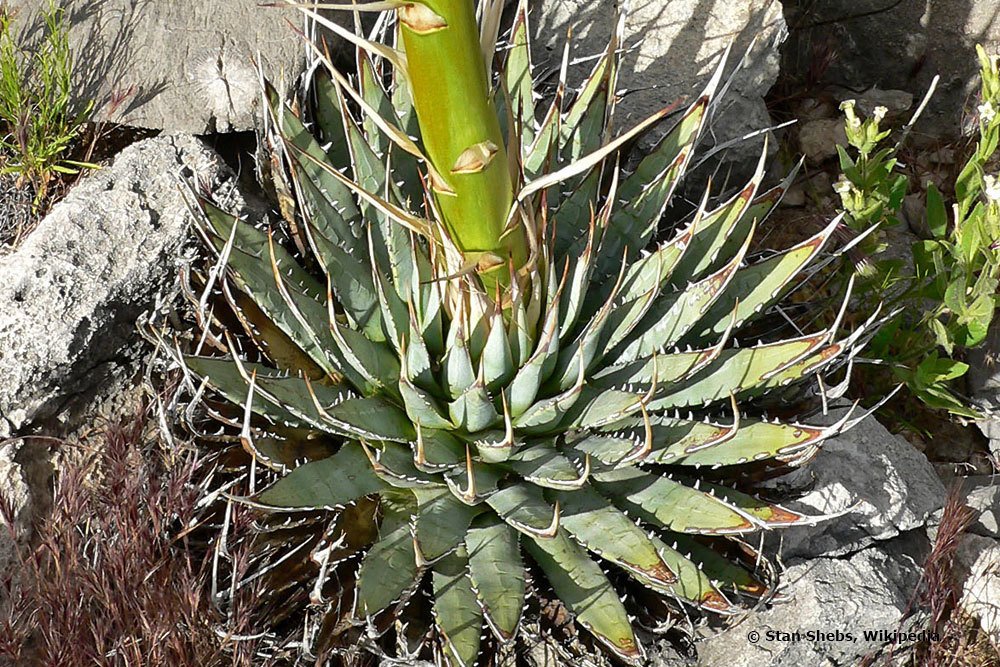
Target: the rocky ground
(894, 551)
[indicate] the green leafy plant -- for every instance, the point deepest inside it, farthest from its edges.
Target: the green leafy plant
(39, 118)
(947, 297)
(467, 340)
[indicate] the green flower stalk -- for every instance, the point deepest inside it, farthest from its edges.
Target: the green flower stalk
(460, 130)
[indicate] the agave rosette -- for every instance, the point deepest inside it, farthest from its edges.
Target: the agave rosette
(558, 412)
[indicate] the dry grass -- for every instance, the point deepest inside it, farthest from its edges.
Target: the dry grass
(110, 578)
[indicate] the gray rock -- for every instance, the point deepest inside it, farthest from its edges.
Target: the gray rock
(978, 565)
(672, 49)
(178, 66)
(71, 294)
(982, 496)
(894, 101)
(818, 139)
(895, 46)
(843, 598)
(984, 368)
(880, 483)
(984, 384)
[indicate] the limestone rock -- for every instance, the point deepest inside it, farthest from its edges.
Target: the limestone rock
(984, 383)
(71, 294)
(843, 598)
(178, 66)
(672, 47)
(880, 484)
(978, 563)
(818, 139)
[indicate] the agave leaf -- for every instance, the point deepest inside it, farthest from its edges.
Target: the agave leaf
(758, 211)
(226, 377)
(478, 480)
(758, 286)
(395, 314)
(650, 186)
(582, 586)
(609, 533)
(437, 450)
(277, 347)
(519, 334)
(667, 369)
(334, 204)
(428, 303)
(375, 367)
(650, 273)
(543, 466)
(719, 568)
(697, 583)
(418, 358)
(590, 160)
(391, 244)
(389, 569)
(497, 362)
(670, 504)
(331, 218)
(673, 315)
(459, 373)
(546, 414)
(713, 230)
(393, 464)
(473, 411)
(579, 282)
(569, 218)
(648, 190)
(288, 450)
(583, 129)
(329, 122)
(313, 405)
(539, 150)
(766, 514)
(736, 371)
(456, 610)
(349, 276)
(666, 436)
(528, 379)
(421, 407)
(326, 484)
(575, 359)
(517, 77)
(524, 508)
(378, 100)
(441, 522)
(753, 441)
(497, 573)
(597, 407)
(281, 288)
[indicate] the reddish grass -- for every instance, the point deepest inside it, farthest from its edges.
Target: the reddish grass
(107, 581)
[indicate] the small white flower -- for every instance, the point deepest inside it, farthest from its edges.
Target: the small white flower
(847, 104)
(991, 186)
(986, 112)
(842, 187)
(880, 112)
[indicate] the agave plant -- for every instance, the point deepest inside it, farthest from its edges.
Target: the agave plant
(469, 326)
